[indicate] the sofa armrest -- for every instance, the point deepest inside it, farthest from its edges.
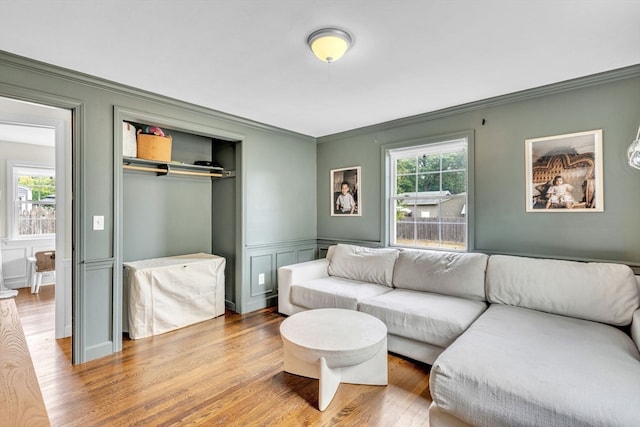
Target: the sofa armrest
(635, 328)
(296, 273)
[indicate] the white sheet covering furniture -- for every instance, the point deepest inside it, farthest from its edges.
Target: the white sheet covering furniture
(168, 293)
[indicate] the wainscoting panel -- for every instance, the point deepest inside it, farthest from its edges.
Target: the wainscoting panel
(262, 281)
(306, 255)
(265, 260)
(15, 268)
(322, 252)
(285, 258)
(98, 333)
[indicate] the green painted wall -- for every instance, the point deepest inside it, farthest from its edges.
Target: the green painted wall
(165, 215)
(168, 215)
(609, 102)
(282, 195)
(223, 212)
(275, 164)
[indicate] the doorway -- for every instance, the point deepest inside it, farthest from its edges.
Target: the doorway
(35, 139)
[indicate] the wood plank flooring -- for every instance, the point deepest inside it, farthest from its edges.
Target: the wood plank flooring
(222, 372)
(21, 402)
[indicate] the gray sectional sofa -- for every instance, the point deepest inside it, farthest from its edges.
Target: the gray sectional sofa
(513, 341)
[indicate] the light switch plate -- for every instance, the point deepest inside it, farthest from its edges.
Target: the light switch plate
(98, 222)
(261, 279)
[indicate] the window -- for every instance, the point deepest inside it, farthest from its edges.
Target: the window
(33, 211)
(428, 195)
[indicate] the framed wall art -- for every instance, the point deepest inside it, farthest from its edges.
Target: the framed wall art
(564, 173)
(346, 192)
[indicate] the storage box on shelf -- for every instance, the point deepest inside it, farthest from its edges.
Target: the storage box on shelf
(129, 140)
(154, 147)
(148, 152)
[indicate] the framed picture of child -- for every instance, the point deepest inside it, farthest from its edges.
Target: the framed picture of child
(346, 192)
(564, 173)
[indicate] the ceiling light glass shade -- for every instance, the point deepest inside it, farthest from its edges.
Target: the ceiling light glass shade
(329, 44)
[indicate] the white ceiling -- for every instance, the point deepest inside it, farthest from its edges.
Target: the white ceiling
(249, 57)
(24, 134)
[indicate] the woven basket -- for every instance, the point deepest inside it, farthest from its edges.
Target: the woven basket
(153, 147)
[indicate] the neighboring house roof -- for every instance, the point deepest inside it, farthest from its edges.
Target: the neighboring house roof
(51, 198)
(429, 197)
(426, 199)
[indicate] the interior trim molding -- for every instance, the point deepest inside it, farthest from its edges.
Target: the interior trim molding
(288, 243)
(98, 263)
(28, 64)
(550, 89)
(328, 241)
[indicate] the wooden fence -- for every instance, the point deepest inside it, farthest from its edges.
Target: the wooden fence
(444, 229)
(39, 220)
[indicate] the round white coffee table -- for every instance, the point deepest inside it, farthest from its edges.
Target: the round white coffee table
(334, 346)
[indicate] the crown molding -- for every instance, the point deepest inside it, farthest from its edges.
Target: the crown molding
(54, 71)
(550, 89)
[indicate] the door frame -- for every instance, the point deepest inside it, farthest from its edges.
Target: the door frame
(77, 139)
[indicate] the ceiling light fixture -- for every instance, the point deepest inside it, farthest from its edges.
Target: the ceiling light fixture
(634, 152)
(329, 44)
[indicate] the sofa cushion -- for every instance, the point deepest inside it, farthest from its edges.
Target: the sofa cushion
(422, 316)
(329, 254)
(374, 265)
(635, 328)
(593, 291)
(515, 366)
(448, 273)
(334, 292)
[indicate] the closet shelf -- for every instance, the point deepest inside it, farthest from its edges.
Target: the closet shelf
(165, 168)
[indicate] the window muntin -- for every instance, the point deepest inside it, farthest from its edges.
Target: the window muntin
(428, 197)
(33, 212)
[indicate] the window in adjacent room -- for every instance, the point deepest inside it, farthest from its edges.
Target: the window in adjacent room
(32, 190)
(428, 191)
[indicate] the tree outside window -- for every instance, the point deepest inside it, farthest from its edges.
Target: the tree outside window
(34, 214)
(429, 195)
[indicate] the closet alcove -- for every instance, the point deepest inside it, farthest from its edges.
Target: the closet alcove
(170, 208)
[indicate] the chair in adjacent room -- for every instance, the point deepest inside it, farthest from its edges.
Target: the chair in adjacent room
(45, 262)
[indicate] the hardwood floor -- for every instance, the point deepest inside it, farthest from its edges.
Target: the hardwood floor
(21, 402)
(222, 372)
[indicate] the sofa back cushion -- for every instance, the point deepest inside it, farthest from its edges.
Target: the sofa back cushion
(373, 265)
(601, 292)
(330, 250)
(448, 273)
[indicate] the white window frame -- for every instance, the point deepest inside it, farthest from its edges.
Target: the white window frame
(14, 170)
(431, 145)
